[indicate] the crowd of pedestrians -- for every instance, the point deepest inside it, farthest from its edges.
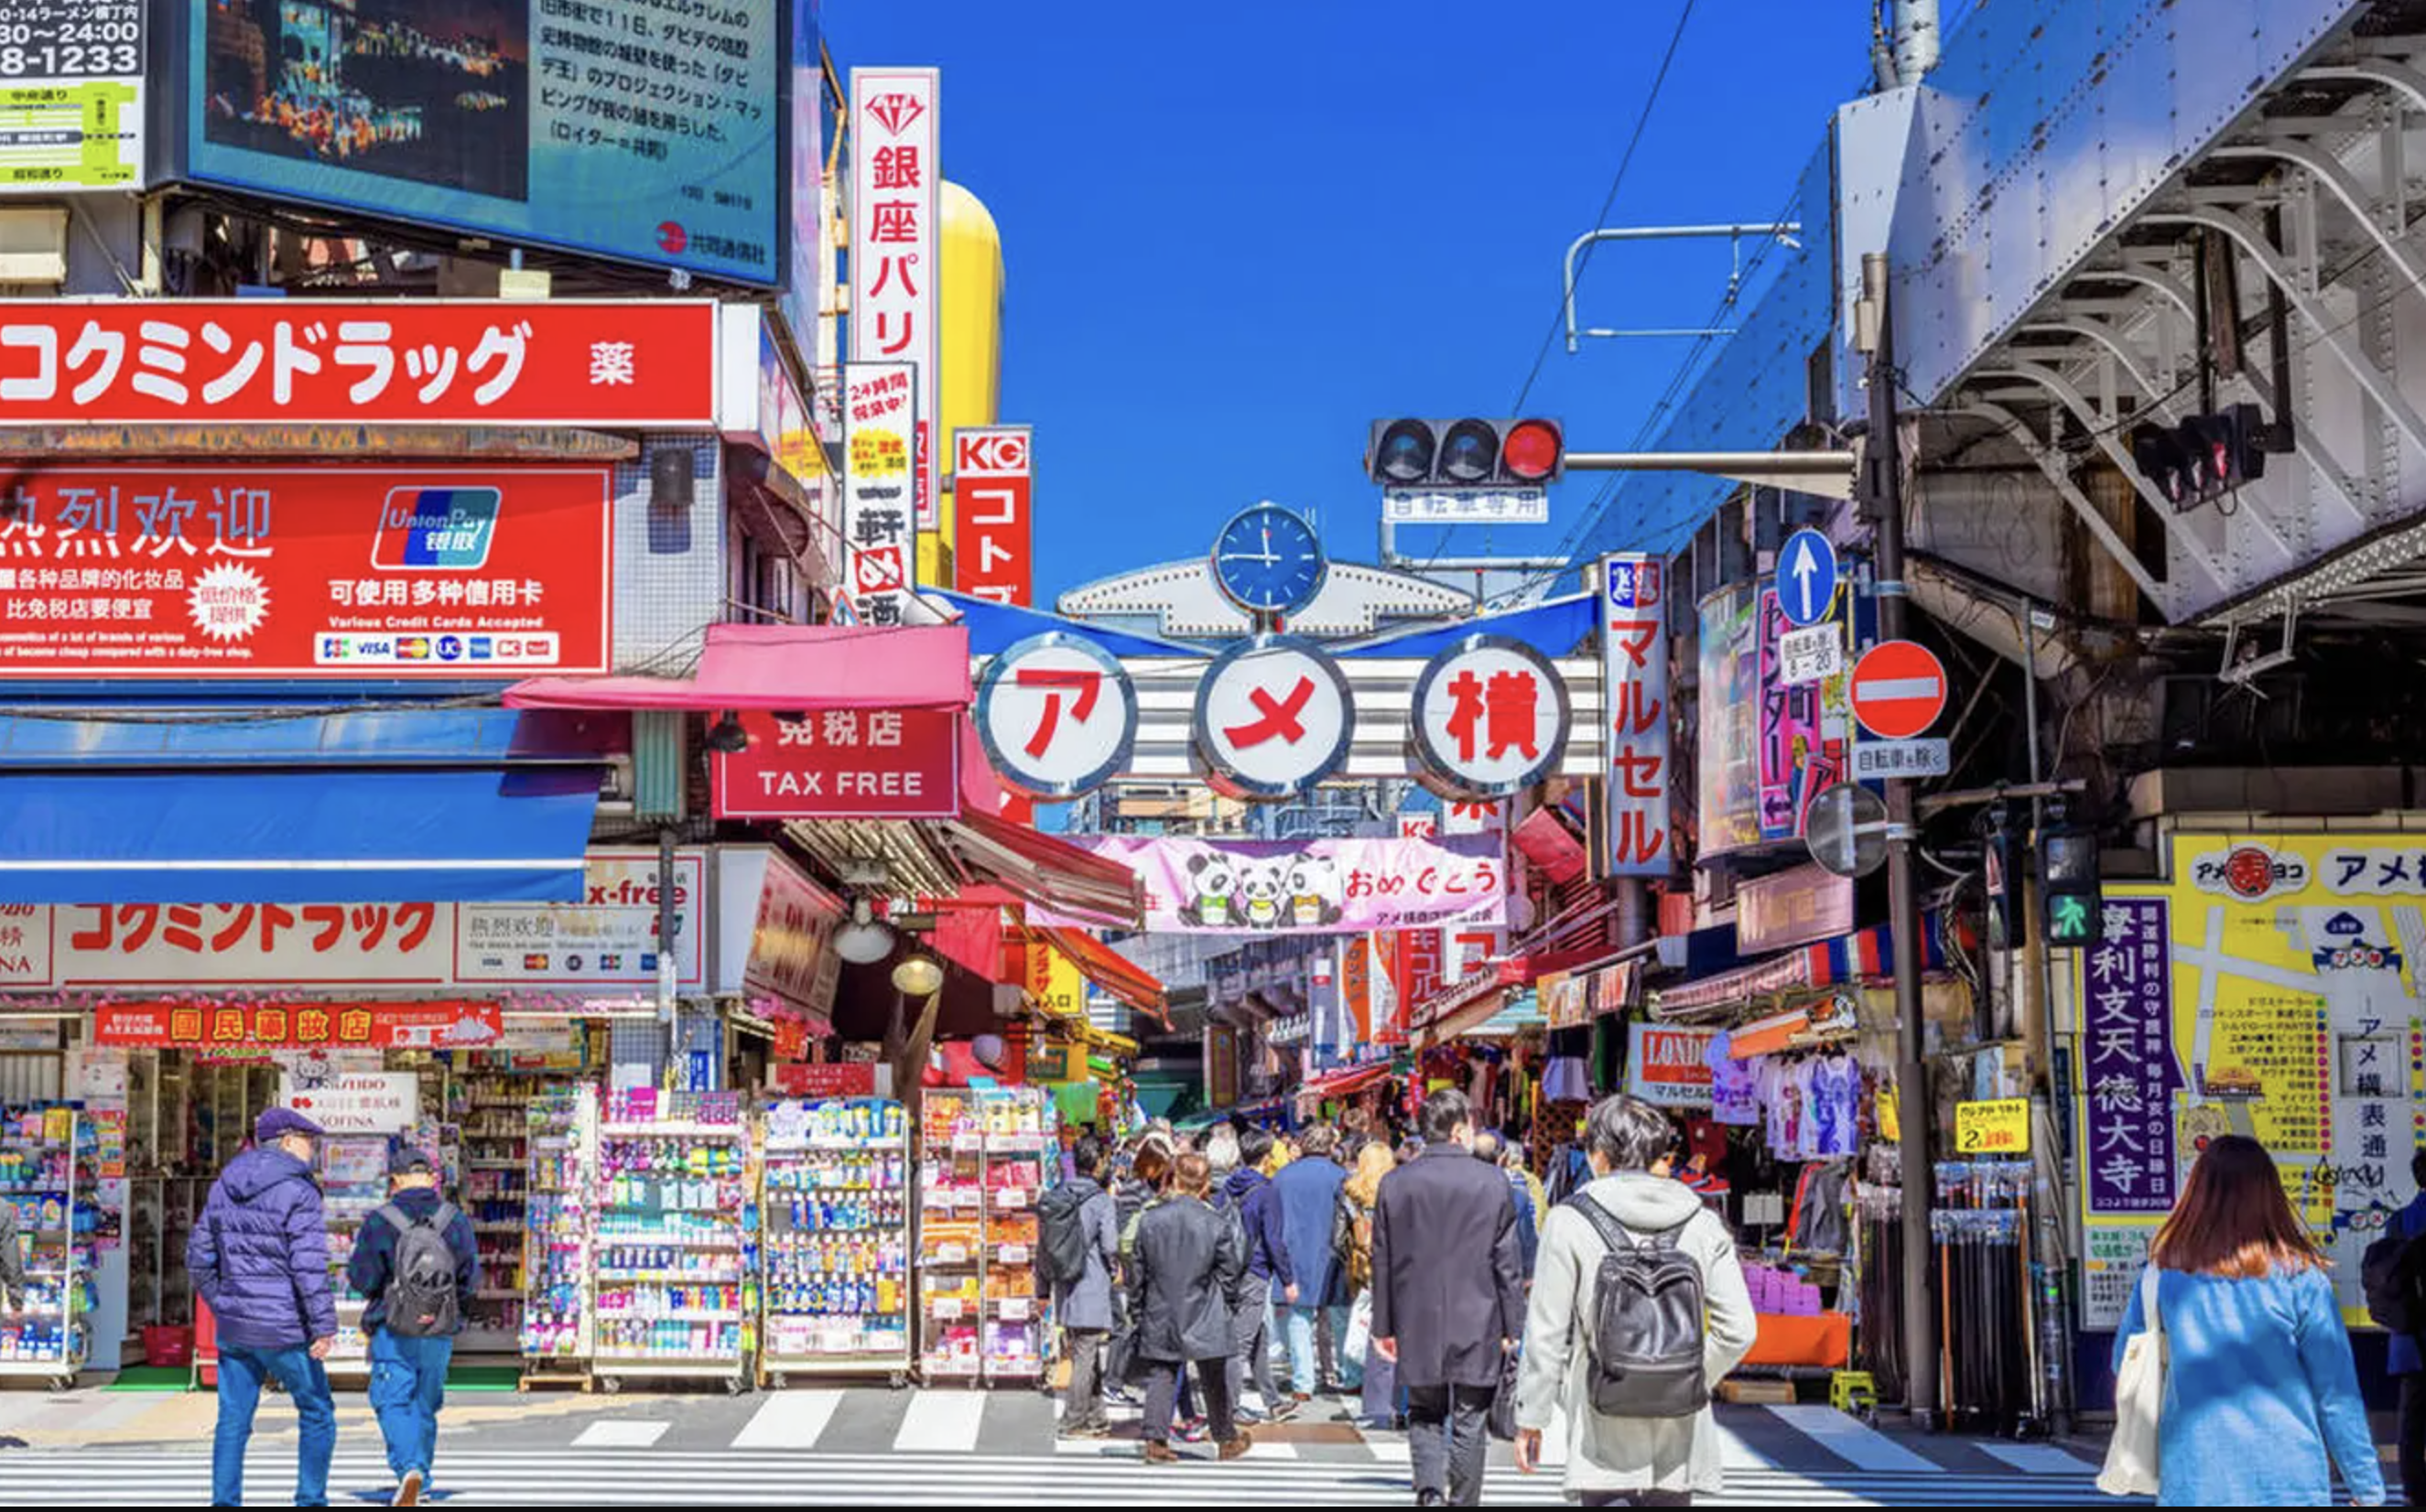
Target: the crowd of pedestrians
(1427, 1280)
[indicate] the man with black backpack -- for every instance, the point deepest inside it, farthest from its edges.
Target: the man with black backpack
(1638, 1311)
(418, 1262)
(1079, 1239)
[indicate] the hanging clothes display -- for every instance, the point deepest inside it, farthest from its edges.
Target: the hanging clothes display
(1734, 1093)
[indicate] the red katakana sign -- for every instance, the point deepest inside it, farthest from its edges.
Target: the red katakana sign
(233, 570)
(1634, 666)
(625, 363)
(1058, 716)
(250, 1026)
(993, 484)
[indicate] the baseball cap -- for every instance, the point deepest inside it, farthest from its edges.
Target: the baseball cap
(408, 1160)
(277, 1123)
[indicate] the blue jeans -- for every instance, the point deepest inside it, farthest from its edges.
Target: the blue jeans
(407, 1386)
(1302, 1375)
(241, 1372)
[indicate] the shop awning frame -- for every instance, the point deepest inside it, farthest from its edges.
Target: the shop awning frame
(1347, 1082)
(807, 668)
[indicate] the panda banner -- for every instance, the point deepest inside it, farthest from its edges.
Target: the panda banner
(1321, 886)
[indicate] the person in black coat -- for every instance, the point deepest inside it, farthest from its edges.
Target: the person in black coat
(1187, 1265)
(1448, 1301)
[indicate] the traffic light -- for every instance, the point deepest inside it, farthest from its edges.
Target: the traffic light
(1465, 454)
(2069, 895)
(2203, 458)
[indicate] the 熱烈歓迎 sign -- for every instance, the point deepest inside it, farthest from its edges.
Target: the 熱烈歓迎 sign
(622, 364)
(240, 570)
(843, 764)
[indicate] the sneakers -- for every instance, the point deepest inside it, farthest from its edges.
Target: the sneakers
(1193, 1431)
(1239, 1446)
(1248, 1414)
(408, 1490)
(1161, 1454)
(1087, 1430)
(1285, 1408)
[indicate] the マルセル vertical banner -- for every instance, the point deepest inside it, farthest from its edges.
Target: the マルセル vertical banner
(896, 225)
(233, 570)
(1634, 663)
(993, 484)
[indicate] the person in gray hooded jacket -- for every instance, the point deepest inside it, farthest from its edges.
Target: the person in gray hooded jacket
(1627, 1461)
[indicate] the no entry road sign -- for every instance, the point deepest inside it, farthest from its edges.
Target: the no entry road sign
(1899, 690)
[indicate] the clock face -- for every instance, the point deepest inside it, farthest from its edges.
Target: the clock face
(1269, 561)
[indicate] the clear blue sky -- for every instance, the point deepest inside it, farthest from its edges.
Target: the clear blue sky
(1235, 235)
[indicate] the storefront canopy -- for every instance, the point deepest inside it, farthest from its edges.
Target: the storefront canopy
(1347, 1082)
(1051, 874)
(332, 835)
(808, 668)
(1108, 969)
(1857, 957)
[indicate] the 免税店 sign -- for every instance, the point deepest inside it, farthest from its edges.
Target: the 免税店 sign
(622, 364)
(239, 571)
(844, 764)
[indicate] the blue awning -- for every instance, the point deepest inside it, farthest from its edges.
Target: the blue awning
(1554, 629)
(333, 834)
(994, 628)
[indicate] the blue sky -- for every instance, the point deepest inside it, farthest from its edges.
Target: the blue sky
(1236, 234)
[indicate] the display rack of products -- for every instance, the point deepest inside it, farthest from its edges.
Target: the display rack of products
(988, 1154)
(47, 1169)
(489, 1111)
(354, 1185)
(834, 1245)
(671, 1295)
(560, 1194)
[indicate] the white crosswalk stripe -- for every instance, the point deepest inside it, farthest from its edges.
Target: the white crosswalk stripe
(758, 1477)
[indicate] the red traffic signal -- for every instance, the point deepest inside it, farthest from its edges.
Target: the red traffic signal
(1466, 453)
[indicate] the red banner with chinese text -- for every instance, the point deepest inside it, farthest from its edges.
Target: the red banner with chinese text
(835, 1079)
(233, 1026)
(237, 571)
(622, 364)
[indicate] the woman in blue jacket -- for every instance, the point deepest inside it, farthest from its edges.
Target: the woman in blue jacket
(2261, 1398)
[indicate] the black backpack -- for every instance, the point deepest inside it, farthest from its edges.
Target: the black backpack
(421, 1297)
(2393, 1276)
(1063, 1234)
(1646, 1335)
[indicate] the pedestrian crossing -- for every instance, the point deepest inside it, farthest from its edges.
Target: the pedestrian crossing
(630, 1477)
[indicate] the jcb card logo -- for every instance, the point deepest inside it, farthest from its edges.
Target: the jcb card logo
(2250, 873)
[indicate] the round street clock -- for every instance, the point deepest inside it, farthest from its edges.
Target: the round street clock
(1269, 561)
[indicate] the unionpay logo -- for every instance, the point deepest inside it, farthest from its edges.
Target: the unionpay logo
(446, 530)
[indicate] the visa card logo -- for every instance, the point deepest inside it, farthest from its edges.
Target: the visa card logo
(447, 530)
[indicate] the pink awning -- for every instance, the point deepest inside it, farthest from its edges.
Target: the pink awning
(808, 668)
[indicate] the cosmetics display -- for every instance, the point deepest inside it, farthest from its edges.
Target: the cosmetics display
(987, 1156)
(673, 1294)
(563, 1144)
(834, 1238)
(48, 1156)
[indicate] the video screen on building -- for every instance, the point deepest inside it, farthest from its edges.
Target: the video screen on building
(633, 129)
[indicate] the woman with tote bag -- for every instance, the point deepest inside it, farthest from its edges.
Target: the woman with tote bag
(2255, 1398)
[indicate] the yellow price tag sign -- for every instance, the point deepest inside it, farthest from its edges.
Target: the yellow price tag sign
(1999, 1128)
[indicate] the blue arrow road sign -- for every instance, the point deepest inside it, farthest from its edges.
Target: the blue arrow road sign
(1806, 577)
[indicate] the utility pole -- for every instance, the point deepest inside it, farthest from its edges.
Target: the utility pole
(1914, 1107)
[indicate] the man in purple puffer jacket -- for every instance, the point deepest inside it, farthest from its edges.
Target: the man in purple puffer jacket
(259, 1256)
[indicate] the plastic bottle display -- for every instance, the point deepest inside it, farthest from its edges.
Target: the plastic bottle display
(834, 1247)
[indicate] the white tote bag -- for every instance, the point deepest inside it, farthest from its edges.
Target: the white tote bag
(2138, 1403)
